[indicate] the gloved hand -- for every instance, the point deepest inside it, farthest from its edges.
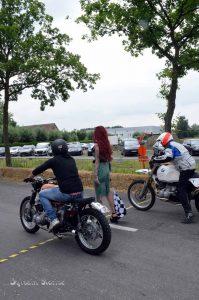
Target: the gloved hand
(151, 162)
(28, 179)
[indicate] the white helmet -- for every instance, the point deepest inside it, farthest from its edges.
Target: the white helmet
(165, 138)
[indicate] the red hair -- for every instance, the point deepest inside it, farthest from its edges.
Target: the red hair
(101, 138)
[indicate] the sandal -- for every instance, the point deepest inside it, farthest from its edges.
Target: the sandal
(114, 219)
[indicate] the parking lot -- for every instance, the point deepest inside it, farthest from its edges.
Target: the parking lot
(151, 256)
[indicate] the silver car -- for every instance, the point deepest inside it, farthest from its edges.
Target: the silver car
(15, 151)
(130, 147)
(42, 149)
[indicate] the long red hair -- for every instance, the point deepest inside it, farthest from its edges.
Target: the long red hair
(101, 138)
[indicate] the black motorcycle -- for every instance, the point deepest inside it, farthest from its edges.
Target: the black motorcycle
(81, 217)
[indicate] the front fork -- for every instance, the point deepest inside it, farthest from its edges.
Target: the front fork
(32, 198)
(145, 188)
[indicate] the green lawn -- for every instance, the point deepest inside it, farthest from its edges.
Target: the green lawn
(120, 165)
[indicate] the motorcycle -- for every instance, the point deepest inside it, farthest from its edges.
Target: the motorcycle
(82, 217)
(162, 184)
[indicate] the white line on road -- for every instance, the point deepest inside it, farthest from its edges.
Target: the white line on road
(123, 228)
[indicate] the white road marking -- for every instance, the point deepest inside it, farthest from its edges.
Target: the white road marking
(123, 228)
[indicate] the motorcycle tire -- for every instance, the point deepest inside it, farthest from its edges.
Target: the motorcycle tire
(94, 236)
(197, 203)
(141, 203)
(26, 215)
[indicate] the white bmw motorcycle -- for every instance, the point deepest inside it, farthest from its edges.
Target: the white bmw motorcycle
(162, 183)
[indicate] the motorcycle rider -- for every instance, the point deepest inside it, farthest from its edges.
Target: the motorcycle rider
(69, 183)
(185, 163)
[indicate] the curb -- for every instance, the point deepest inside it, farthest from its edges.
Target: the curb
(120, 182)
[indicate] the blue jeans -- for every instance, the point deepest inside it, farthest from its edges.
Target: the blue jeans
(55, 194)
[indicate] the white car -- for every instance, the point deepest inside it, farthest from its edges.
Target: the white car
(42, 149)
(84, 146)
(15, 151)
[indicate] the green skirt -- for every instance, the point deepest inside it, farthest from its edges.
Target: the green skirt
(103, 188)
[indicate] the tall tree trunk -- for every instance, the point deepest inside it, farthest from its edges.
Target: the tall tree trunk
(171, 99)
(5, 125)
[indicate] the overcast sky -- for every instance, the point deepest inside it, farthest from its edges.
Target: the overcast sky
(125, 95)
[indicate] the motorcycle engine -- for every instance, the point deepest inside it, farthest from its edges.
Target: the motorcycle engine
(61, 213)
(40, 218)
(167, 191)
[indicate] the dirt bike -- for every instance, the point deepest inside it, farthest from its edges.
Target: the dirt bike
(82, 217)
(162, 184)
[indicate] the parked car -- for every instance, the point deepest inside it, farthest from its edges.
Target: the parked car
(27, 150)
(2, 151)
(42, 149)
(15, 151)
(192, 145)
(50, 151)
(75, 148)
(84, 146)
(130, 147)
(90, 149)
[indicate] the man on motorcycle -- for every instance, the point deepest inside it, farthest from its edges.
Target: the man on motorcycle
(66, 173)
(185, 163)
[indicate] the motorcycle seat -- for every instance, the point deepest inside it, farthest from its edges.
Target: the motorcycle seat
(83, 201)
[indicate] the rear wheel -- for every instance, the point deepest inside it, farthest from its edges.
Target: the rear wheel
(140, 196)
(197, 203)
(94, 236)
(26, 216)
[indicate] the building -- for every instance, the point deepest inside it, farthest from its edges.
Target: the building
(47, 127)
(128, 132)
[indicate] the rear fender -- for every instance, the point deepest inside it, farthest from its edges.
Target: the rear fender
(98, 206)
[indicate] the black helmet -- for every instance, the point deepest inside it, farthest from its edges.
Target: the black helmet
(59, 146)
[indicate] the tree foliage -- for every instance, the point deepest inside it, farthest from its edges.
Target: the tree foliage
(33, 56)
(181, 127)
(11, 120)
(170, 28)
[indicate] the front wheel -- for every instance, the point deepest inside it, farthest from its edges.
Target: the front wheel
(26, 216)
(142, 197)
(94, 236)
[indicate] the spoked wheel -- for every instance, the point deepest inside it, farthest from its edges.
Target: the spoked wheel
(140, 196)
(26, 216)
(94, 236)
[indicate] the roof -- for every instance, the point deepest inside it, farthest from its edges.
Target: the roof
(48, 127)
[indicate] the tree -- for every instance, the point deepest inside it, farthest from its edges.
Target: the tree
(11, 121)
(54, 134)
(73, 136)
(170, 28)
(26, 135)
(65, 135)
(181, 127)
(41, 135)
(81, 134)
(33, 56)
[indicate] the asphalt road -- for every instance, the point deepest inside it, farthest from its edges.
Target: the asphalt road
(159, 261)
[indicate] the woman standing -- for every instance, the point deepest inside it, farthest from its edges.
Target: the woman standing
(102, 161)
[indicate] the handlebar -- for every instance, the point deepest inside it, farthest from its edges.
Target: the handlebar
(28, 180)
(43, 180)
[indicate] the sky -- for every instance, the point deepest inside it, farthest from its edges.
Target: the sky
(126, 94)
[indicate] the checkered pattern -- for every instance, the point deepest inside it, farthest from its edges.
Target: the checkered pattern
(120, 208)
